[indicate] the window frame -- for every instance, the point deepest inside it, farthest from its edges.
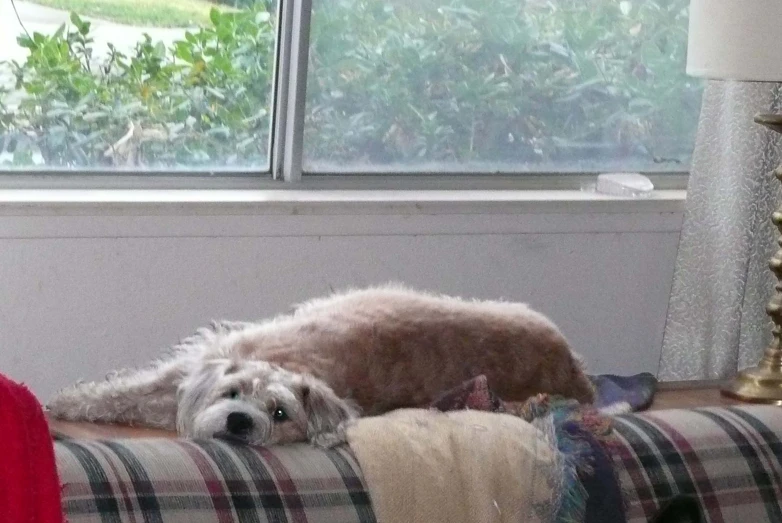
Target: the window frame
(290, 94)
(285, 170)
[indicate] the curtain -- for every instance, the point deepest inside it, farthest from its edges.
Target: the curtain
(716, 321)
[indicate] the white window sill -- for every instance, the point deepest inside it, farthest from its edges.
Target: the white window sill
(33, 201)
(40, 213)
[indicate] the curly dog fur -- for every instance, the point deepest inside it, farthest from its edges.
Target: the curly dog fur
(299, 376)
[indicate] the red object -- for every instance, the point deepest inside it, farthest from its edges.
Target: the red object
(29, 487)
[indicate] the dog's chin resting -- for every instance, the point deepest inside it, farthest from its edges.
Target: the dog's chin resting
(302, 376)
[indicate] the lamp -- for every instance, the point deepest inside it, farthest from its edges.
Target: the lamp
(739, 40)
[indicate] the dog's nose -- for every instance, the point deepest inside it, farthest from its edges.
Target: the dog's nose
(238, 423)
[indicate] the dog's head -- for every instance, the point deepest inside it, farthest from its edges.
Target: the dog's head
(256, 403)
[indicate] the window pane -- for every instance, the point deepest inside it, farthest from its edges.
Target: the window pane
(136, 84)
(500, 85)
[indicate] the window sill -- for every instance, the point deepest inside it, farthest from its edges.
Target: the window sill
(42, 201)
(256, 213)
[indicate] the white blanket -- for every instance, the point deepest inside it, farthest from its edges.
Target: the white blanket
(424, 466)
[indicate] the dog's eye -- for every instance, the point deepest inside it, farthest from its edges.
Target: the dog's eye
(232, 394)
(279, 414)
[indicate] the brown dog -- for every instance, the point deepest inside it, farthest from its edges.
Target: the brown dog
(298, 376)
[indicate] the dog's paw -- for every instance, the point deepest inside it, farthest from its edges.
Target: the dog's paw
(329, 440)
(67, 404)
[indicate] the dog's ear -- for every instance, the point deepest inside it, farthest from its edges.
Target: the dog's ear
(194, 389)
(325, 411)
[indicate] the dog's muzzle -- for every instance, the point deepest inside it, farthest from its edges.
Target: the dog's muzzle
(238, 427)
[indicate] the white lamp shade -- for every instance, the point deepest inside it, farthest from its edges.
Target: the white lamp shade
(736, 40)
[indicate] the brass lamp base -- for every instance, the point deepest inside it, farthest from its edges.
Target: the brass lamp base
(763, 384)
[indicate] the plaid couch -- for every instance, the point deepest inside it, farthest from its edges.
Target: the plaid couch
(177, 481)
(730, 459)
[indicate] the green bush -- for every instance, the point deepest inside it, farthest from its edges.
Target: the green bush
(203, 102)
(500, 81)
(507, 81)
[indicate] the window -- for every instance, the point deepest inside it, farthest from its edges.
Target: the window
(392, 86)
(508, 85)
(181, 85)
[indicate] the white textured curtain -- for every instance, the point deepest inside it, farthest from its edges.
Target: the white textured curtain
(716, 317)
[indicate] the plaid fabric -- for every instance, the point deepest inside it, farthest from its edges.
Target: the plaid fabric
(173, 481)
(730, 459)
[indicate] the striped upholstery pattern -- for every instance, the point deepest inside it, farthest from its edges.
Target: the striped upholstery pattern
(177, 481)
(728, 458)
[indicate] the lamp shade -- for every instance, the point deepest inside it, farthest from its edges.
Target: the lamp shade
(736, 40)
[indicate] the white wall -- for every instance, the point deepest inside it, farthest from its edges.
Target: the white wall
(89, 288)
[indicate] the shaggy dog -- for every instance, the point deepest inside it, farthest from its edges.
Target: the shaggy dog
(299, 376)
